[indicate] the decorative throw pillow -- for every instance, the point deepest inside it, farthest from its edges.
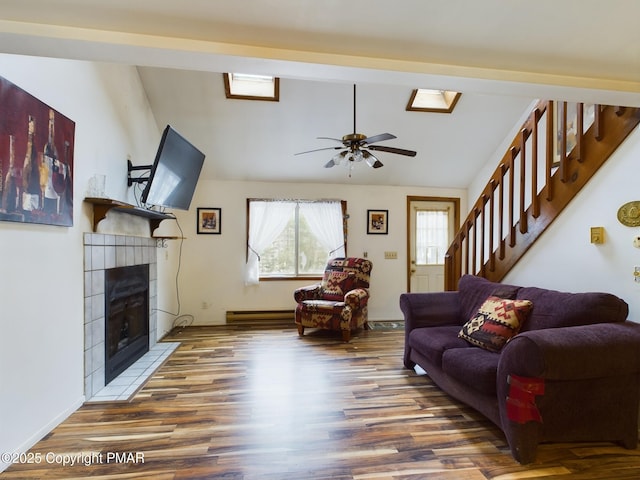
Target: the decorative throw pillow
(336, 284)
(505, 291)
(496, 321)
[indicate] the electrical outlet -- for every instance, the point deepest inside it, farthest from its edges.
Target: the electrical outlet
(390, 255)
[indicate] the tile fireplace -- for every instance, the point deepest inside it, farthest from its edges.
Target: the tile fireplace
(104, 253)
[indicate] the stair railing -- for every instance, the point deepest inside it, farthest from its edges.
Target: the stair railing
(558, 149)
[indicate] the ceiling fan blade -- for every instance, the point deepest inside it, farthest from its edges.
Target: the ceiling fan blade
(318, 150)
(379, 138)
(330, 138)
(399, 151)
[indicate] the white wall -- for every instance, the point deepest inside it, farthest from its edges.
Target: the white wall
(212, 265)
(480, 179)
(41, 271)
(564, 259)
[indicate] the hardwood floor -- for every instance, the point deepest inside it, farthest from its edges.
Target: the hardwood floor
(246, 403)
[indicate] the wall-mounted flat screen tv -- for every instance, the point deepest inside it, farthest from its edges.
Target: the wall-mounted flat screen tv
(174, 173)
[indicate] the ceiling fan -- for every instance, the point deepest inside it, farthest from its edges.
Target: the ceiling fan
(356, 147)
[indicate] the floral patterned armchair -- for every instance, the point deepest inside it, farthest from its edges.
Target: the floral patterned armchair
(340, 301)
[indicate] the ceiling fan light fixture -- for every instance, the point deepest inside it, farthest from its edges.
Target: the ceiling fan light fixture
(353, 138)
(371, 159)
(330, 163)
(336, 159)
(355, 147)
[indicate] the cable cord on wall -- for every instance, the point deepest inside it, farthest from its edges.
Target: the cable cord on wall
(138, 188)
(181, 320)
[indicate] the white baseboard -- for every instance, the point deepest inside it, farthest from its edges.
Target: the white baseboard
(40, 434)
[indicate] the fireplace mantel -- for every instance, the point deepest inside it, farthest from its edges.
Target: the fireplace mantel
(101, 207)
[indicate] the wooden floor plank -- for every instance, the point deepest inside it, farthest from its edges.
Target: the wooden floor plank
(243, 403)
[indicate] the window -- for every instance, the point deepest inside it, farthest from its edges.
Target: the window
(246, 86)
(293, 238)
(432, 227)
(429, 100)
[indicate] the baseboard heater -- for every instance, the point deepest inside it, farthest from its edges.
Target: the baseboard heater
(261, 317)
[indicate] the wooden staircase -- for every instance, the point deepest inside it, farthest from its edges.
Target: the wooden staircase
(555, 153)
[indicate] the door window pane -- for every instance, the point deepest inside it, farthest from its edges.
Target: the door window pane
(432, 239)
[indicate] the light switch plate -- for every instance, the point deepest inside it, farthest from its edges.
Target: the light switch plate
(597, 235)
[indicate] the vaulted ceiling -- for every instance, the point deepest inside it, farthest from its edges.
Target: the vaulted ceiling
(502, 54)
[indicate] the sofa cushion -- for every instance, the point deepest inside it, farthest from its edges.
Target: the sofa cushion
(472, 366)
(433, 341)
(475, 290)
(561, 309)
(495, 322)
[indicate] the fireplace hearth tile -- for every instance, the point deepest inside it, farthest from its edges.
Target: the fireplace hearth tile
(124, 386)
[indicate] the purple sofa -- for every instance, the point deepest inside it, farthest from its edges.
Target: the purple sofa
(572, 373)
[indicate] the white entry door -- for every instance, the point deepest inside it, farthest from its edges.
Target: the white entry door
(432, 224)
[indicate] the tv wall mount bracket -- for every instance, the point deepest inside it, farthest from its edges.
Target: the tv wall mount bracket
(130, 168)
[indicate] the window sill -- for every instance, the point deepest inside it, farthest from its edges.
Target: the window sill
(285, 278)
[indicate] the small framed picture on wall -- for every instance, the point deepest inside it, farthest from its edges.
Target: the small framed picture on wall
(209, 221)
(377, 222)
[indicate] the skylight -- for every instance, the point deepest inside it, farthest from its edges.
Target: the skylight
(429, 100)
(252, 87)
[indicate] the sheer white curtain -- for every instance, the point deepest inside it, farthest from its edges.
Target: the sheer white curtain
(266, 222)
(326, 224)
(432, 236)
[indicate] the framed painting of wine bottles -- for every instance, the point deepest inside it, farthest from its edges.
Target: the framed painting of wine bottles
(36, 160)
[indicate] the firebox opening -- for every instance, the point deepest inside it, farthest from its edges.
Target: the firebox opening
(126, 318)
